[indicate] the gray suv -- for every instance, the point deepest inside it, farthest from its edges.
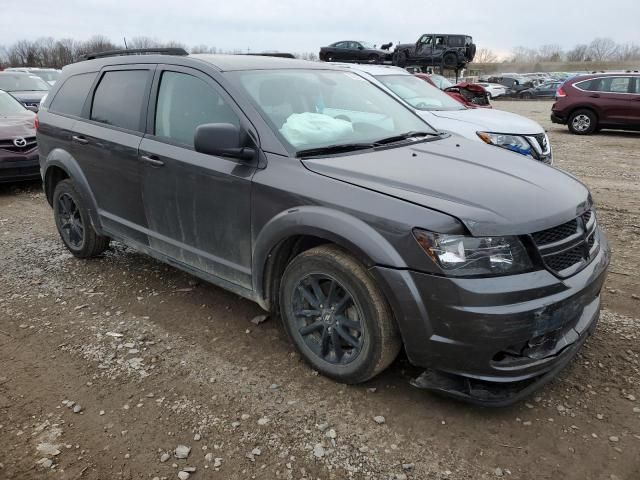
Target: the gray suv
(312, 192)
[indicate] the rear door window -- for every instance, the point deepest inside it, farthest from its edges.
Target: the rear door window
(119, 98)
(184, 103)
(71, 97)
(616, 85)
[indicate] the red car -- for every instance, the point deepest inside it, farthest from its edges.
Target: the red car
(471, 95)
(589, 103)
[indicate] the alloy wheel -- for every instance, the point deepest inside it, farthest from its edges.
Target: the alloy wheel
(70, 221)
(328, 319)
(581, 123)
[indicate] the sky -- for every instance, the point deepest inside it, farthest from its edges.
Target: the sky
(306, 25)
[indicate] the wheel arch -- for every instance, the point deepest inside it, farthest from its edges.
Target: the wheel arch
(591, 108)
(61, 165)
(300, 229)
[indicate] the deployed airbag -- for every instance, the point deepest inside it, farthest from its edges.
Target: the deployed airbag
(314, 128)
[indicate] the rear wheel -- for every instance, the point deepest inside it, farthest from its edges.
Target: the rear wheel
(336, 315)
(450, 60)
(73, 223)
(583, 122)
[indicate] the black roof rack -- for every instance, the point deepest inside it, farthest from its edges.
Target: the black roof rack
(272, 54)
(136, 51)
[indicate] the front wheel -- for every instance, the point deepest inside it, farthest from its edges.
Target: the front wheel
(73, 222)
(336, 315)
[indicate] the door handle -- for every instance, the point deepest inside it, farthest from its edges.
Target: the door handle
(152, 160)
(79, 139)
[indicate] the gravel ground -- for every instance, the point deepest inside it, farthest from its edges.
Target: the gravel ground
(124, 368)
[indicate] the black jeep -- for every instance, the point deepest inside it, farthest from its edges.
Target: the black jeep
(436, 50)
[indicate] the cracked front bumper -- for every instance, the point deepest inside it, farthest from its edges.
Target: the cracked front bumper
(511, 333)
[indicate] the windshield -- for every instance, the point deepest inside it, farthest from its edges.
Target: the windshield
(418, 93)
(311, 109)
(9, 105)
(440, 81)
(47, 75)
(16, 82)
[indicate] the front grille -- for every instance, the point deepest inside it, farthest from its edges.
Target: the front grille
(541, 138)
(569, 247)
(566, 259)
(8, 145)
(556, 234)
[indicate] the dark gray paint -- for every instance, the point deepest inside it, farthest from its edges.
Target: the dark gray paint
(222, 218)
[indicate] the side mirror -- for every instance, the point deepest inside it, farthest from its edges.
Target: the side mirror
(33, 108)
(221, 139)
(360, 47)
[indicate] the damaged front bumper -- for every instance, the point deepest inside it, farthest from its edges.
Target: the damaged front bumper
(493, 341)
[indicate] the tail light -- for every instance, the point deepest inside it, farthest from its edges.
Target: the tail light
(561, 93)
(36, 123)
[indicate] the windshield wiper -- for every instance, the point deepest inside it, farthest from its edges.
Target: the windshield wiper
(344, 147)
(405, 136)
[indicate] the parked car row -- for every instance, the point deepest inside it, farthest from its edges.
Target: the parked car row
(335, 196)
(28, 89)
(49, 75)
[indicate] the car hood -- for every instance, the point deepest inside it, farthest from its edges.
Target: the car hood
(492, 191)
(29, 95)
(495, 121)
(20, 125)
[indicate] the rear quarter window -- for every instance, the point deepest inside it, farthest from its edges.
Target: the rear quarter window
(119, 98)
(455, 41)
(71, 96)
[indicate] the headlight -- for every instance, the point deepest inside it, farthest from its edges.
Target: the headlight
(515, 143)
(460, 256)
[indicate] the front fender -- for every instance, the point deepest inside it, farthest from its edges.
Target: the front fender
(59, 158)
(339, 227)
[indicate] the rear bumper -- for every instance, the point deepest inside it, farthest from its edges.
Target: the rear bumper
(19, 167)
(516, 331)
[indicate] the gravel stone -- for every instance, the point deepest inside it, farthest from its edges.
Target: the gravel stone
(318, 451)
(182, 451)
(379, 419)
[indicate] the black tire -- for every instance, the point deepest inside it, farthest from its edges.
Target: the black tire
(352, 336)
(373, 58)
(400, 59)
(450, 60)
(526, 96)
(73, 222)
(583, 122)
(471, 52)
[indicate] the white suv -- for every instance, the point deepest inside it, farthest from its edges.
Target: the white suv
(494, 127)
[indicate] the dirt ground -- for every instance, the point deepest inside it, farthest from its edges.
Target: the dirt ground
(156, 359)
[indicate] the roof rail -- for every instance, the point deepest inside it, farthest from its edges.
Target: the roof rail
(136, 51)
(271, 54)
